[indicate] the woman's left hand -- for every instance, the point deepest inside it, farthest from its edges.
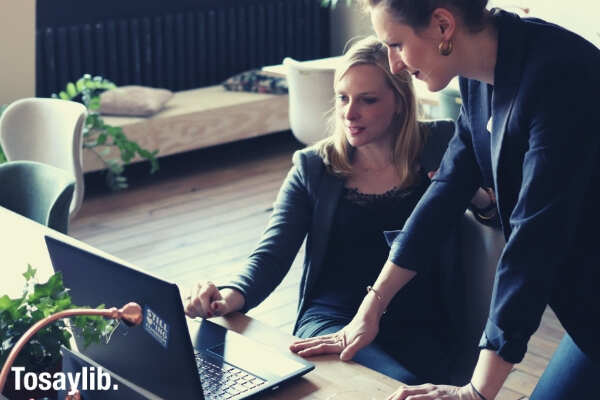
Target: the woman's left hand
(346, 342)
(434, 392)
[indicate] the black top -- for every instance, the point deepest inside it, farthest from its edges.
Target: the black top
(357, 249)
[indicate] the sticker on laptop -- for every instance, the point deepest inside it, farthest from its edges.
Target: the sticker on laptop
(156, 327)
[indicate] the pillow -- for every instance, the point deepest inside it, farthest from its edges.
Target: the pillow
(139, 101)
(256, 81)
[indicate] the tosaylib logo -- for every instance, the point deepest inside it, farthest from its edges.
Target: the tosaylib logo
(91, 378)
(156, 327)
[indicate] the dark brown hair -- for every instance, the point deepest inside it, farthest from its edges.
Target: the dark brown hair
(417, 13)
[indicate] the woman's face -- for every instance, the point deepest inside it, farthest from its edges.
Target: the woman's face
(365, 105)
(418, 54)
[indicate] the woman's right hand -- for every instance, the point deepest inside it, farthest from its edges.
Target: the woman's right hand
(207, 301)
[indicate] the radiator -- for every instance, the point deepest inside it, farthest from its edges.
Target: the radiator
(201, 44)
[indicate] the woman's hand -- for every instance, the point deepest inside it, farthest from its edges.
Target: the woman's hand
(483, 198)
(346, 342)
(208, 301)
(434, 392)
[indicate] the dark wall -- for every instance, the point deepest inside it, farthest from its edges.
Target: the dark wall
(176, 44)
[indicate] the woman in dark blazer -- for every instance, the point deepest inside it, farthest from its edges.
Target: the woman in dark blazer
(530, 128)
(338, 195)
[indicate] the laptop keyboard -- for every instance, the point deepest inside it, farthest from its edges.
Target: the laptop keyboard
(222, 380)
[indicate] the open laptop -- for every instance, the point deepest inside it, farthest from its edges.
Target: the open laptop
(162, 355)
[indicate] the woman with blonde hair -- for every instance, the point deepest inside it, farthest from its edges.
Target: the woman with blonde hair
(342, 194)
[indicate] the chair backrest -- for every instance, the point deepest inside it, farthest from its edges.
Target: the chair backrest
(37, 191)
(48, 131)
(450, 102)
(311, 96)
(467, 290)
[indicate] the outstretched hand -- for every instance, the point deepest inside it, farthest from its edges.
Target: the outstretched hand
(346, 342)
(434, 392)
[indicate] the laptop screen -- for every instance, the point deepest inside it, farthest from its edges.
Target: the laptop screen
(158, 355)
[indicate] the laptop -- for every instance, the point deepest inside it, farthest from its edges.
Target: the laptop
(163, 355)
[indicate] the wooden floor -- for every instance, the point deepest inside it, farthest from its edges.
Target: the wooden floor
(203, 213)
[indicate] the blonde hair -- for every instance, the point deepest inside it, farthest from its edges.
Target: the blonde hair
(408, 138)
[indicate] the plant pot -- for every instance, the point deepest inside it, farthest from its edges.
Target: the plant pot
(12, 394)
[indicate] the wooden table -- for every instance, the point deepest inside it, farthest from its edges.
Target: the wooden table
(22, 242)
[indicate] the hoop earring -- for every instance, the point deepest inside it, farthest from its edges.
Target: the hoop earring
(445, 48)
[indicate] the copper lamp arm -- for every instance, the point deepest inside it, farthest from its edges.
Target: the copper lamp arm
(130, 313)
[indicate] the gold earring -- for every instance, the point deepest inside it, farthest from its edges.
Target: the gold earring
(445, 48)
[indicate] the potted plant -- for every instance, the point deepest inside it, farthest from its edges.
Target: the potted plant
(42, 352)
(99, 136)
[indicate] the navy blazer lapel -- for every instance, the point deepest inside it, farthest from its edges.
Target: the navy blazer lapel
(328, 195)
(507, 78)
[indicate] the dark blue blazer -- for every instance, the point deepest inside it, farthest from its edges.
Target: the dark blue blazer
(305, 208)
(541, 153)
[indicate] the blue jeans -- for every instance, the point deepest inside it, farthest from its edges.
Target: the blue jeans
(373, 356)
(569, 375)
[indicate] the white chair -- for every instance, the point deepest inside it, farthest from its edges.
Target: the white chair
(48, 131)
(310, 98)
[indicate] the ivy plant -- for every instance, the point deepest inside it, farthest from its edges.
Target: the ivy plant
(99, 136)
(38, 301)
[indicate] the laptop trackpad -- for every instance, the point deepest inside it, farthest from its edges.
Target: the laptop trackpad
(255, 357)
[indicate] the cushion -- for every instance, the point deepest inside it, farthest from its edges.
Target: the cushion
(256, 81)
(139, 101)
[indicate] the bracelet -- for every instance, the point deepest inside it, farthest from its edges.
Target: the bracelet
(482, 397)
(482, 213)
(375, 292)
(371, 289)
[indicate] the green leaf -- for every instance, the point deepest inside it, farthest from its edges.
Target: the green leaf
(80, 84)
(63, 95)
(101, 139)
(53, 286)
(144, 153)
(7, 304)
(30, 273)
(154, 165)
(94, 103)
(71, 90)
